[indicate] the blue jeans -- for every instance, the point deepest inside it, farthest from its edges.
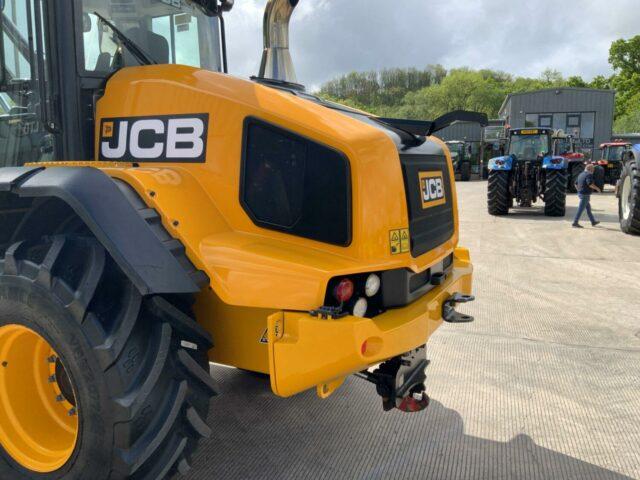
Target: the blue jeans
(585, 204)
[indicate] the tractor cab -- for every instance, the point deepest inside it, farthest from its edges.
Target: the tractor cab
(612, 160)
(613, 152)
(530, 144)
(46, 57)
(565, 146)
(461, 154)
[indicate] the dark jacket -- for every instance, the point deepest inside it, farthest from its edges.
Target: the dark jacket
(585, 179)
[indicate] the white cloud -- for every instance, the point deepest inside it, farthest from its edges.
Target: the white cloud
(332, 37)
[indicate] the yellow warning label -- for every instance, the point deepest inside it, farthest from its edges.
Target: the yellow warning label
(394, 242)
(405, 244)
(399, 241)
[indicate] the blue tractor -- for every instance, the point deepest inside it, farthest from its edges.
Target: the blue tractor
(527, 173)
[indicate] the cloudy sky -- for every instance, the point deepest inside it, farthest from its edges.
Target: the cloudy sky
(523, 37)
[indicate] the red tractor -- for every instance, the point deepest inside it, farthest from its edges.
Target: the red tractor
(565, 146)
(611, 160)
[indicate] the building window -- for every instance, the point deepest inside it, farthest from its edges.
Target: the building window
(573, 120)
(531, 120)
(559, 121)
(588, 121)
(545, 121)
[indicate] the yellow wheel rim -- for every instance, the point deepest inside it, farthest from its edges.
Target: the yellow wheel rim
(38, 416)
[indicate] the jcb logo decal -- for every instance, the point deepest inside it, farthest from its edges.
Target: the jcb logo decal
(432, 189)
(165, 138)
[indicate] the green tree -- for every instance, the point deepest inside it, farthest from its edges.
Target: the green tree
(577, 82)
(630, 121)
(624, 57)
(462, 89)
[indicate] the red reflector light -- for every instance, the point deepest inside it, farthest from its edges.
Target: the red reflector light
(344, 290)
(363, 348)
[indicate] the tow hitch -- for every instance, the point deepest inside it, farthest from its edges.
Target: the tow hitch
(449, 313)
(401, 381)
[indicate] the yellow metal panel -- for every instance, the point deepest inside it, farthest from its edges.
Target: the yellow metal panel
(255, 273)
(199, 203)
(315, 352)
(239, 333)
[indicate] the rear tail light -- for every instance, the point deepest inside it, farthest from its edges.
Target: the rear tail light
(343, 291)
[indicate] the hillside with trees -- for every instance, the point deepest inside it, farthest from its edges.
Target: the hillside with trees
(432, 91)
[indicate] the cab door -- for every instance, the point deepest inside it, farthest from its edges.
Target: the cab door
(24, 136)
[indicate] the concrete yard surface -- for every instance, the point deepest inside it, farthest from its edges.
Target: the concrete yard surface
(544, 385)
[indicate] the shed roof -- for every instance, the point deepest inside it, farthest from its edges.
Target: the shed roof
(557, 89)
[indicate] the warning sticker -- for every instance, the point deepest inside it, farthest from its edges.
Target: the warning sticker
(265, 336)
(394, 241)
(399, 241)
(405, 244)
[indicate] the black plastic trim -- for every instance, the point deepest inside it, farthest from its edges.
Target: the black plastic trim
(402, 287)
(251, 120)
(110, 216)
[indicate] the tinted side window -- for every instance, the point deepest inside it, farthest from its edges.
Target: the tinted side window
(295, 185)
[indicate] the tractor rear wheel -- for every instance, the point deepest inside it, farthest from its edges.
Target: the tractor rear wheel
(555, 194)
(599, 177)
(629, 202)
(499, 199)
(96, 381)
(465, 171)
(575, 172)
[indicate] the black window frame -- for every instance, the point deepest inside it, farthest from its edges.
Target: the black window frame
(253, 120)
(575, 115)
(547, 117)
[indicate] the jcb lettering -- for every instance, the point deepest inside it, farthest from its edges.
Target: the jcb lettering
(181, 138)
(432, 189)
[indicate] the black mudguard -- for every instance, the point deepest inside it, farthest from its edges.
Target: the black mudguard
(112, 219)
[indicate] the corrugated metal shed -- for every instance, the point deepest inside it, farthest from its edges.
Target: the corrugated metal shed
(467, 131)
(583, 112)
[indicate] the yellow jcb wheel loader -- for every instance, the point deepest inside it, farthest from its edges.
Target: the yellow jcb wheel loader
(157, 214)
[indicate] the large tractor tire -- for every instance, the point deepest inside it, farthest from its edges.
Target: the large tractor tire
(499, 199)
(574, 173)
(465, 171)
(96, 381)
(629, 202)
(555, 194)
(599, 175)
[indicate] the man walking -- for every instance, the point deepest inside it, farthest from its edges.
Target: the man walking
(585, 186)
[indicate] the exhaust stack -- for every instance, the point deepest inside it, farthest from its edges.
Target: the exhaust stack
(276, 58)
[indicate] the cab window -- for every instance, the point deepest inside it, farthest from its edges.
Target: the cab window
(169, 32)
(23, 136)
